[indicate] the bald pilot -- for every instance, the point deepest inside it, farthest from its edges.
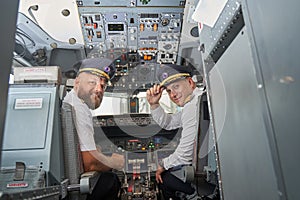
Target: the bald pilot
(87, 94)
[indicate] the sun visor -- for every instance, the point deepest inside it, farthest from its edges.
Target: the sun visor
(208, 11)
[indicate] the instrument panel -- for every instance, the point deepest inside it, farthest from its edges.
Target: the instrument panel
(143, 143)
(138, 137)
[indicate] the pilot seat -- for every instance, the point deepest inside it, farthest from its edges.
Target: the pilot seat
(80, 183)
(40, 152)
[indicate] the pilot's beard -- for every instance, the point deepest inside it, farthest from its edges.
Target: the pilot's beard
(91, 100)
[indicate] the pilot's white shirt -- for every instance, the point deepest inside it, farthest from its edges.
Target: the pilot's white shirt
(187, 119)
(83, 122)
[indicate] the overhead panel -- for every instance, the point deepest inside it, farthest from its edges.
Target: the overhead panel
(137, 35)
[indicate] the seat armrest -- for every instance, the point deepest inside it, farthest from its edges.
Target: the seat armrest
(88, 181)
(89, 174)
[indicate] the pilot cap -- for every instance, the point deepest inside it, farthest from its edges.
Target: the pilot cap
(169, 73)
(102, 67)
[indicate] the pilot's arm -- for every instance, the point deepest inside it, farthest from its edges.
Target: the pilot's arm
(164, 120)
(96, 161)
(93, 159)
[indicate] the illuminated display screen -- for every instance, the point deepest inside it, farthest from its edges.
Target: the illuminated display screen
(115, 27)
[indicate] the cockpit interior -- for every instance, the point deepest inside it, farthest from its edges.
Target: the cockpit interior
(244, 58)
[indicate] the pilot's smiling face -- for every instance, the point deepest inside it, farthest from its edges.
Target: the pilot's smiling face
(180, 91)
(90, 88)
